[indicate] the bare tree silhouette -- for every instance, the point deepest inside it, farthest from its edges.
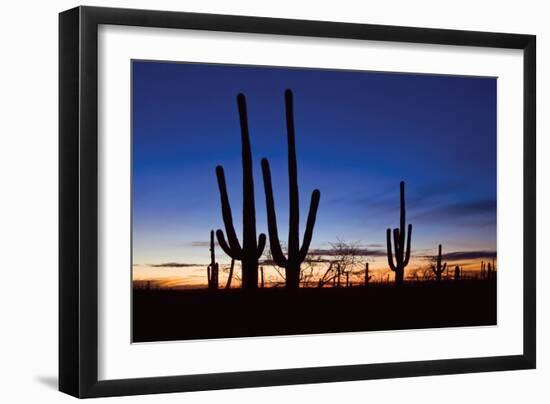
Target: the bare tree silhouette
(251, 249)
(296, 254)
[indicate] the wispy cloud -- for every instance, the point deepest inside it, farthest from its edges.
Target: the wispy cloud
(201, 243)
(388, 199)
(173, 265)
(465, 255)
(482, 212)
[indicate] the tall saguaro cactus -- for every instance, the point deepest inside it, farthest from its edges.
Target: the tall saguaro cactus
(402, 254)
(212, 270)
(251, 249)
(296, 254)
(438, 269)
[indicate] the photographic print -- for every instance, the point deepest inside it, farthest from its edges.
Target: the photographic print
(282, 201)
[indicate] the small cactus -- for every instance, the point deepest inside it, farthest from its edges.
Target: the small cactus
(262, 277)
(402, 254)
(212, 271)
(367, 276)
(438, 269)
(457, 273)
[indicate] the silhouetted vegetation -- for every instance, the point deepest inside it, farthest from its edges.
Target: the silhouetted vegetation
(437, 268)
(402, 253)
(295, 254)
(367, 276)
(230, 275)
(279, 311)
(212, 271)
(251, 249)
(323, 279)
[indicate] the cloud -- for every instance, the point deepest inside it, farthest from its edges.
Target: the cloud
(375, 245)
(469, 255)
(201, 243)
(461, 210)
(173, 265)
(388, 200)
(465, 255)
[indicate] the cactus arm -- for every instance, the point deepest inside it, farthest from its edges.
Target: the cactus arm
(408, 250)
(274, 242)
(235, 254)
(389, 250)
(226, 212)
(308, 235)
(230, 276)
(261, 244)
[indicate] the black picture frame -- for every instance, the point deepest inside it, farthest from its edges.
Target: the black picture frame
(78, 204)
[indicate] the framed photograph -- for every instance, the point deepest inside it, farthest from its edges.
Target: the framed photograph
(251, 201)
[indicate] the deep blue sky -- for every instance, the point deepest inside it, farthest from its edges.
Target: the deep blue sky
(357, 135)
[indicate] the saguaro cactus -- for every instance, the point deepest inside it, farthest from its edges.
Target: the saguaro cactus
(457, 273)
(212, 270)
(402, 254)
(438, 269)
(296, 254)
(489, 271)
(251, 249)
(367, 276)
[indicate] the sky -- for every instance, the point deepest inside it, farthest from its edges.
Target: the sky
(358, 134)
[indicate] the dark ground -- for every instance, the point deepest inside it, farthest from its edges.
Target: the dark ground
(164, 315)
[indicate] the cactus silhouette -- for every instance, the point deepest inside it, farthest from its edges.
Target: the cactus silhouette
(295, 254)
(262, 277)
(402, 254)
(367, 276)
(457, 273)
(251, 249)
(230, 276)
(438, 269)
(489, 271)
(212, 270)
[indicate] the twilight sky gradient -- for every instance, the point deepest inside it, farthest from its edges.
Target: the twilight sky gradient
(357, 135)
